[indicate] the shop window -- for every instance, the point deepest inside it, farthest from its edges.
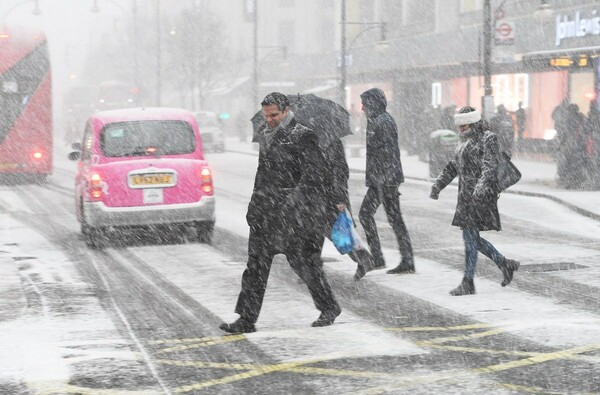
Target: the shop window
(510, 89)
(436, 94)
(582, 90)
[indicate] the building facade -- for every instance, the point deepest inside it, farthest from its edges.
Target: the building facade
(434, 60)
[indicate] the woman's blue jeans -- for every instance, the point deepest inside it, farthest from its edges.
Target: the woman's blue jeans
(475, 243)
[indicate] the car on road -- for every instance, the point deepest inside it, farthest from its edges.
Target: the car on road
(142, 167)
(211, 131)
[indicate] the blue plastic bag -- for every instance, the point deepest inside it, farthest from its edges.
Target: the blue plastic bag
(341, 233)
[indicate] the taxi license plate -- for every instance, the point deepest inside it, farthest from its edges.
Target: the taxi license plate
(151, 179)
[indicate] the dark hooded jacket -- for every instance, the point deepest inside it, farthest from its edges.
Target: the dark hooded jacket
(476, 165)
(289, 187)
(383, 153)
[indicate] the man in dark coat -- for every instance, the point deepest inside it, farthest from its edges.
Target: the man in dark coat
(476, 165)
(383, 177)
(286, 215)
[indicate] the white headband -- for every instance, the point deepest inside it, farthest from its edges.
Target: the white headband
(467, 118)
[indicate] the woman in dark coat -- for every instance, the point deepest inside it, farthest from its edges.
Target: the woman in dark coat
(476, 165)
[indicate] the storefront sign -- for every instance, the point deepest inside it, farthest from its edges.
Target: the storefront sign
(504, 33)
(576, 27)
(566, 61)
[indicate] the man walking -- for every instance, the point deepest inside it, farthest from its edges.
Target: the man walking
(286, 215)
(383, 177)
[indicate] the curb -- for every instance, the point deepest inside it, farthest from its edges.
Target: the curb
(571, 206)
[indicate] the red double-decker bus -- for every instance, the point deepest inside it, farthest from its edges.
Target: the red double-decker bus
(25, 103)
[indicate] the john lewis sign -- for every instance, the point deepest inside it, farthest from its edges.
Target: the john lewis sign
(577, 26)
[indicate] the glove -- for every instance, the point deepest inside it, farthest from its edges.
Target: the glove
(435, 193)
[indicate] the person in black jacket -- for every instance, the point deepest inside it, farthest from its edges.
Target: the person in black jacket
(286, 215)
(383, 177)
(476, 165)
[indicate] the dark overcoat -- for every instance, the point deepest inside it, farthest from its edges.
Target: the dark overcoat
(336, 191)
(476, 165)
(288, 197)
(383, 153)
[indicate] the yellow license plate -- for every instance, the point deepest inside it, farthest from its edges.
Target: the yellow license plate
(151, 179)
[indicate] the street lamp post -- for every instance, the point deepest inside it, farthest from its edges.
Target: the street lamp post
(543, 11)
(275, 48)
(158, 56)
(96, 9)
(36, 8)
(255, 55)
(487, 103)
(345, 49)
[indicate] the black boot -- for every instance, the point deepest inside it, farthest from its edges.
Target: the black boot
(510, 266)
(466, 287)
(327, 317)
(405, 266)
(360, 272)
(241, 325)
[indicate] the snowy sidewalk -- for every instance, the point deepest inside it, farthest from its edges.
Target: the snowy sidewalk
(538, 178)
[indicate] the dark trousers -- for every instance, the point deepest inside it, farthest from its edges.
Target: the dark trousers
(303, 255)
(390, 198)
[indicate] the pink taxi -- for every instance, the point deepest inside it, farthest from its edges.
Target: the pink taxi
(142, 167)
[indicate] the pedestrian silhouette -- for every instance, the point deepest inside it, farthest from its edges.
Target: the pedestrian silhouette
(285, 215)
(476, 165)
(383, 178)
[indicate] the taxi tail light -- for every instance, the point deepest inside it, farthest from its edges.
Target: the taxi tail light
(95, 186)
(37, 154)
(206, 180)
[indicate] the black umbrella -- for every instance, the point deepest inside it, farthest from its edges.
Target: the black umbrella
(329, 120)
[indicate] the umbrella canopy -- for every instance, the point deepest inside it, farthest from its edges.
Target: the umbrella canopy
(329, 120)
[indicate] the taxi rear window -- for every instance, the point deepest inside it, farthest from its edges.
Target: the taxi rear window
(142, 138)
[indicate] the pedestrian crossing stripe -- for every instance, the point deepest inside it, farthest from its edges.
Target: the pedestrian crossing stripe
(207, 343)
(261, 370)
(197, 339)
(477, 335)
(456, 375)
(544, 357)
(439, 328)
(255, 370)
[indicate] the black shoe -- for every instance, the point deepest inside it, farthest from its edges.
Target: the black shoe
(377, 264)
(466, 287)
(327, 317)
(239, 326)
(510, 266)
(360, 273)
(405, 267)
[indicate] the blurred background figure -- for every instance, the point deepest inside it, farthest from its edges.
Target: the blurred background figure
(521, 117)
(502, 124)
